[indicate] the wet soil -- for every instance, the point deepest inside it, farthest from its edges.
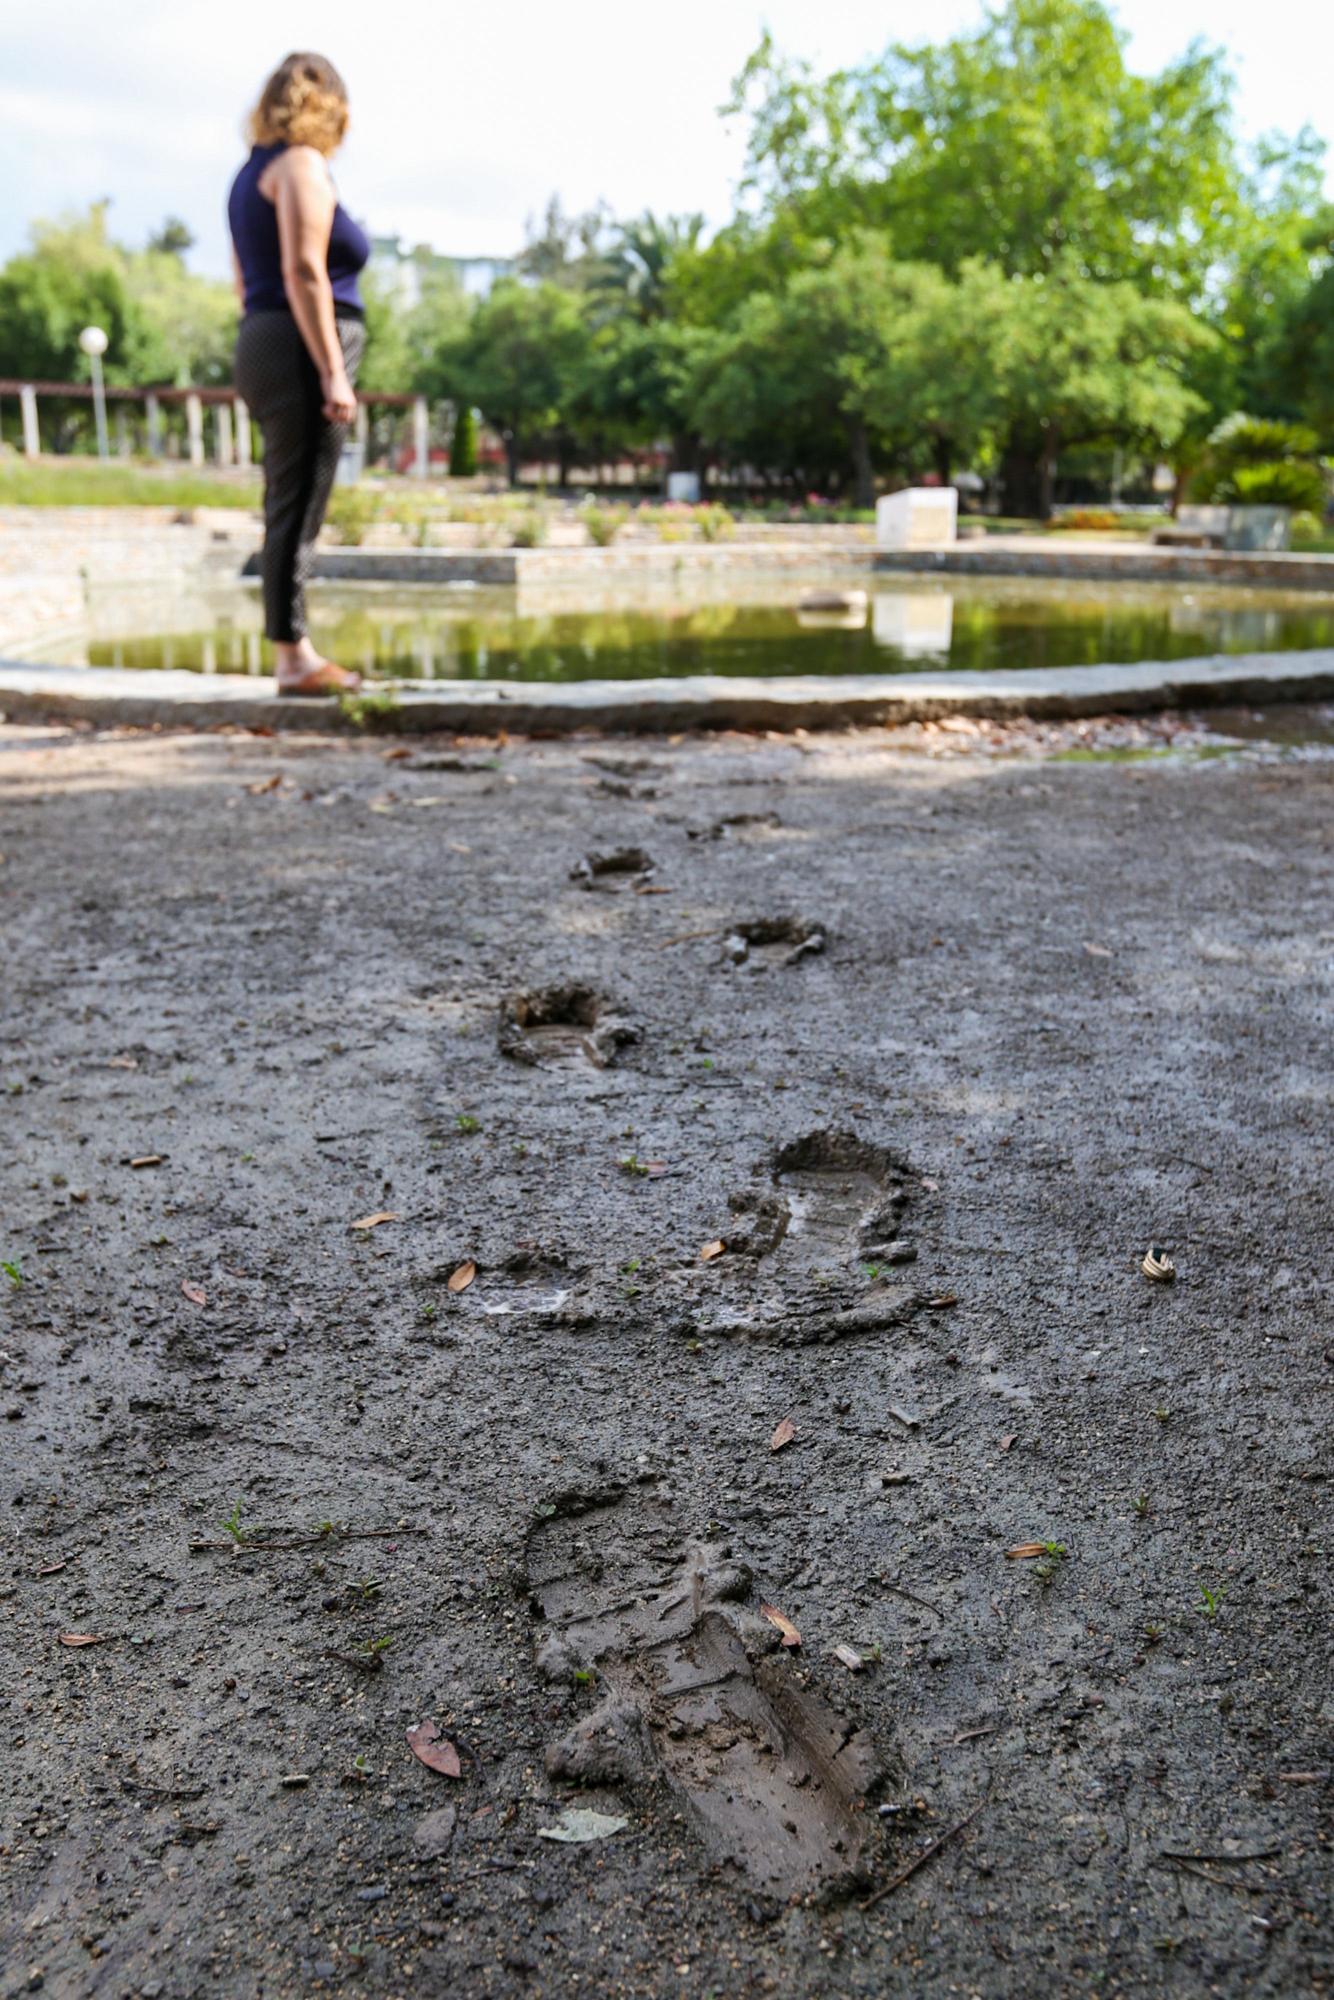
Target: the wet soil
(445, 1279)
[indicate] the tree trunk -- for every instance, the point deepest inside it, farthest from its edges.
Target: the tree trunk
(1047, 479)
(512, 457)
(863, 476)
(1022, 478)
(940, 452)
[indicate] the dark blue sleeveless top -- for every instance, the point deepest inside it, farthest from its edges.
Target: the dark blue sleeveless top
(254, 226)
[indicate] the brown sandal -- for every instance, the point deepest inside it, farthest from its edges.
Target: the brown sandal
(326, 679)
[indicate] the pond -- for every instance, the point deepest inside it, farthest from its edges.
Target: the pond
(742, 627)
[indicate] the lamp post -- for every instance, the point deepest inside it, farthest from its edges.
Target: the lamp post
(94, 344)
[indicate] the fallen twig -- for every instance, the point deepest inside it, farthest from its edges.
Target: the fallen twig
(249, 1548)
(1192, 1854)
(897, 1590)
(920, 1860)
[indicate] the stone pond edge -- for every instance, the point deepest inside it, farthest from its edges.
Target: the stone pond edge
(114, 696)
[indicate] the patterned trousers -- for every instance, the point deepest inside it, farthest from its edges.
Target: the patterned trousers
(278, 379)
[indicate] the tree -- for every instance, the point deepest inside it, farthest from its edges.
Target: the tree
(519, 362)
(463, 444)
(1082, 362)
(173, 238)
(1022, 142)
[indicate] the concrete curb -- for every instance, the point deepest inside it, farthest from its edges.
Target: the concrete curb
(172, 699)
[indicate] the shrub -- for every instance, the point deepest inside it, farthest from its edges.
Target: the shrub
(1294, 483)
(1086, 518)
(530, 530)
(1259, 462)
(463, 444)
(603, 523)
(352, 511)
(715, 522)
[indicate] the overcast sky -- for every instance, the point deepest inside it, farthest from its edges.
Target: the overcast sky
(466, 119)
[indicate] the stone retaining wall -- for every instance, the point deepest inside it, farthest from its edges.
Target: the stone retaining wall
(1137, 563)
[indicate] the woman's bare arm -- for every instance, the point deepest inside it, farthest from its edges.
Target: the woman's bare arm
(304, 202)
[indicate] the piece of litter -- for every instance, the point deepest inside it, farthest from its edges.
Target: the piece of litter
(374, 1221)
(195, 1293)
(910, 1423)
(84, 1638)
(1023, 1550)
(580, 1824)
(712, 1250)
(295, 1780)
(850, 1657)
(784, 1434)
(146, 1160)
(1159, 1266)
(461, 1277)
(1008, 1440)
(1097, 951)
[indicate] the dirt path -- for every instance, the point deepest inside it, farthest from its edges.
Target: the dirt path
(936, 1046)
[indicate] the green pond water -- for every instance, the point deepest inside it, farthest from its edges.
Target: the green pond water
(905, 625)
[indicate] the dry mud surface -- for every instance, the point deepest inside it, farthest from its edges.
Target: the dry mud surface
(934, 1040)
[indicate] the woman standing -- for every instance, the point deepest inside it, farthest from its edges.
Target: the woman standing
(297, 254)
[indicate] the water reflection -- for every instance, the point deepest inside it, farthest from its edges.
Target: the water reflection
(914, 624)
(748, 625)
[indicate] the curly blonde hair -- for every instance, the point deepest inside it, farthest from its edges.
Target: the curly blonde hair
(304, 103)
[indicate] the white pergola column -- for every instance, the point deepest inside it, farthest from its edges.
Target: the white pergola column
(421, 438)
(32, 440)
(194, 424)
(153, 419)
(222, 433)
(242, 415)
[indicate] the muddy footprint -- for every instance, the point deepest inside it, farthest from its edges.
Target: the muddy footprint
(562, 1027)
(776, 1782)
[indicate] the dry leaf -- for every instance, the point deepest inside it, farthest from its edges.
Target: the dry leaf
(429, 1747)
(651, 889)
(932, 1187)
(374, 1221)
(791, 1636)
(1023, 1550)
(655, 1169)
(84, 1638)
(195, 1293)
(785, 1433)
(398, 754)
(262, 785)
(461, 1277)
(1008, 1440)
(712, 1250)
(1097, 951)
(945, 1299)
(850, 1657)
(52, 1569)
(122, 1062)
(147, 1160)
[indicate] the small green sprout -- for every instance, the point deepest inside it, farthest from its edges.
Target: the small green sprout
(1141, 1505)
(12, 1271)
(1163, 1416)
(631, 1163)
(232, 1526)
(377, 1648)
(465, 1122)
(1212, 1599)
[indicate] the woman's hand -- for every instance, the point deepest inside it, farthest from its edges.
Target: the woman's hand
(340, 404)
